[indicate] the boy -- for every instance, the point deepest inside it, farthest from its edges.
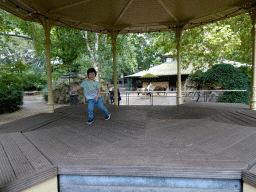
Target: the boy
(92, 93)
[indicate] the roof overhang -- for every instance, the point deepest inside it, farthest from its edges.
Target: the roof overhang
(127, 16)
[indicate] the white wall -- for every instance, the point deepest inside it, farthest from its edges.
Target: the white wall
(50, 185)
(248, 188)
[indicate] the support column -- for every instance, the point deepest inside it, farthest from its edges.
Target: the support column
(113, 35)
(178, 37)
(47, 28)
(253, 86)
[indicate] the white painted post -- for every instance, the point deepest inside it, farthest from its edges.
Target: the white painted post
(253, 86)
(178, 37)
(47, 28)
(113, 35)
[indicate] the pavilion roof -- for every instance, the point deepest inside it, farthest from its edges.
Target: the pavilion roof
(127, 16)
(168, 68)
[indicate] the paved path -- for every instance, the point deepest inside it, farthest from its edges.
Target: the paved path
(32, 105)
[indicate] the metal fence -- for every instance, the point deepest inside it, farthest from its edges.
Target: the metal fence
(205, 94)
(150, 95)
(166, 97)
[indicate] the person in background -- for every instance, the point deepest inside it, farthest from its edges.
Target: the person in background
(112, 96)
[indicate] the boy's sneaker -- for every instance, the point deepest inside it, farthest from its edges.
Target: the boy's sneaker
(107, 117)
(90, 121)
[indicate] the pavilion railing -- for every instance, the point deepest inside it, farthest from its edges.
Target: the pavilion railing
(198, 95)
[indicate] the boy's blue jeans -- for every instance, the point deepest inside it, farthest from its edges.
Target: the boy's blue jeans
(99, 103)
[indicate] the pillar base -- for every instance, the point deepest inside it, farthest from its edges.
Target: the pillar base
(50, 107)
(252, 104)
(179, 100)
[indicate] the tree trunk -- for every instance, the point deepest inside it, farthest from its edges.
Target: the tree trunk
(93, 51)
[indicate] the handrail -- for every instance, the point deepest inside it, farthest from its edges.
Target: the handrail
(181, 91)
(195, 93)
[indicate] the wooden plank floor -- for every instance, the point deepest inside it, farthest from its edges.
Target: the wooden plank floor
(196, 140)
(22, 165)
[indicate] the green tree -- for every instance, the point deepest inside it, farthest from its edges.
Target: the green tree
(11, 83)
(204, 46)
(67, 45)
(125, 58)
(241, 26)
(14, 48)
(99, 48)
(148, 49)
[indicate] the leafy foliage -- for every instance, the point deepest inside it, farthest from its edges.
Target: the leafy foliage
(10, 100)
(11, 75)
(16, 48)
(148, 50)
(204, 46)
(241, 26)
(247, 70)
(20, 76)
(11, 96)
(67, 45)
(230, 78)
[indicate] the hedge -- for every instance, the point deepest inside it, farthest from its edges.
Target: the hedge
(230, 78)
(10, 100)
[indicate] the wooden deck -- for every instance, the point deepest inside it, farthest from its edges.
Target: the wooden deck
(193, 140)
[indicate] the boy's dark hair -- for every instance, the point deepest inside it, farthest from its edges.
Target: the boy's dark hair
(91, 70)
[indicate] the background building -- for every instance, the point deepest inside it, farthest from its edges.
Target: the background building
(164, 75)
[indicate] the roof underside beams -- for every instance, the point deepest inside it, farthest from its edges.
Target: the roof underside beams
(128, 16)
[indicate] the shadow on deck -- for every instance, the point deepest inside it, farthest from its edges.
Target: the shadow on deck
(193, 140)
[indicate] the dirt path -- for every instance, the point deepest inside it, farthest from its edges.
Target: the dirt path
(31, 105)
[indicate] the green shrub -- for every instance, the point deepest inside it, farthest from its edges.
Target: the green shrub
(21, 76)
(197, 76)
(247, 70)
(230, 78)
(10, 100)
(32, 81)
(149, 75)
(11, 97)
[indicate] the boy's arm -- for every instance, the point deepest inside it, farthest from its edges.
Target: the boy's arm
(75, 89)
(99, 92)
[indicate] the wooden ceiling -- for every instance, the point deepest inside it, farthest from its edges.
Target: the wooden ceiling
(127, 16)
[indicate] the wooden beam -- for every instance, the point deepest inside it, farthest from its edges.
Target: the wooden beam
(168, 10)
(68, 6)
(123, 12)
(25, 5)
